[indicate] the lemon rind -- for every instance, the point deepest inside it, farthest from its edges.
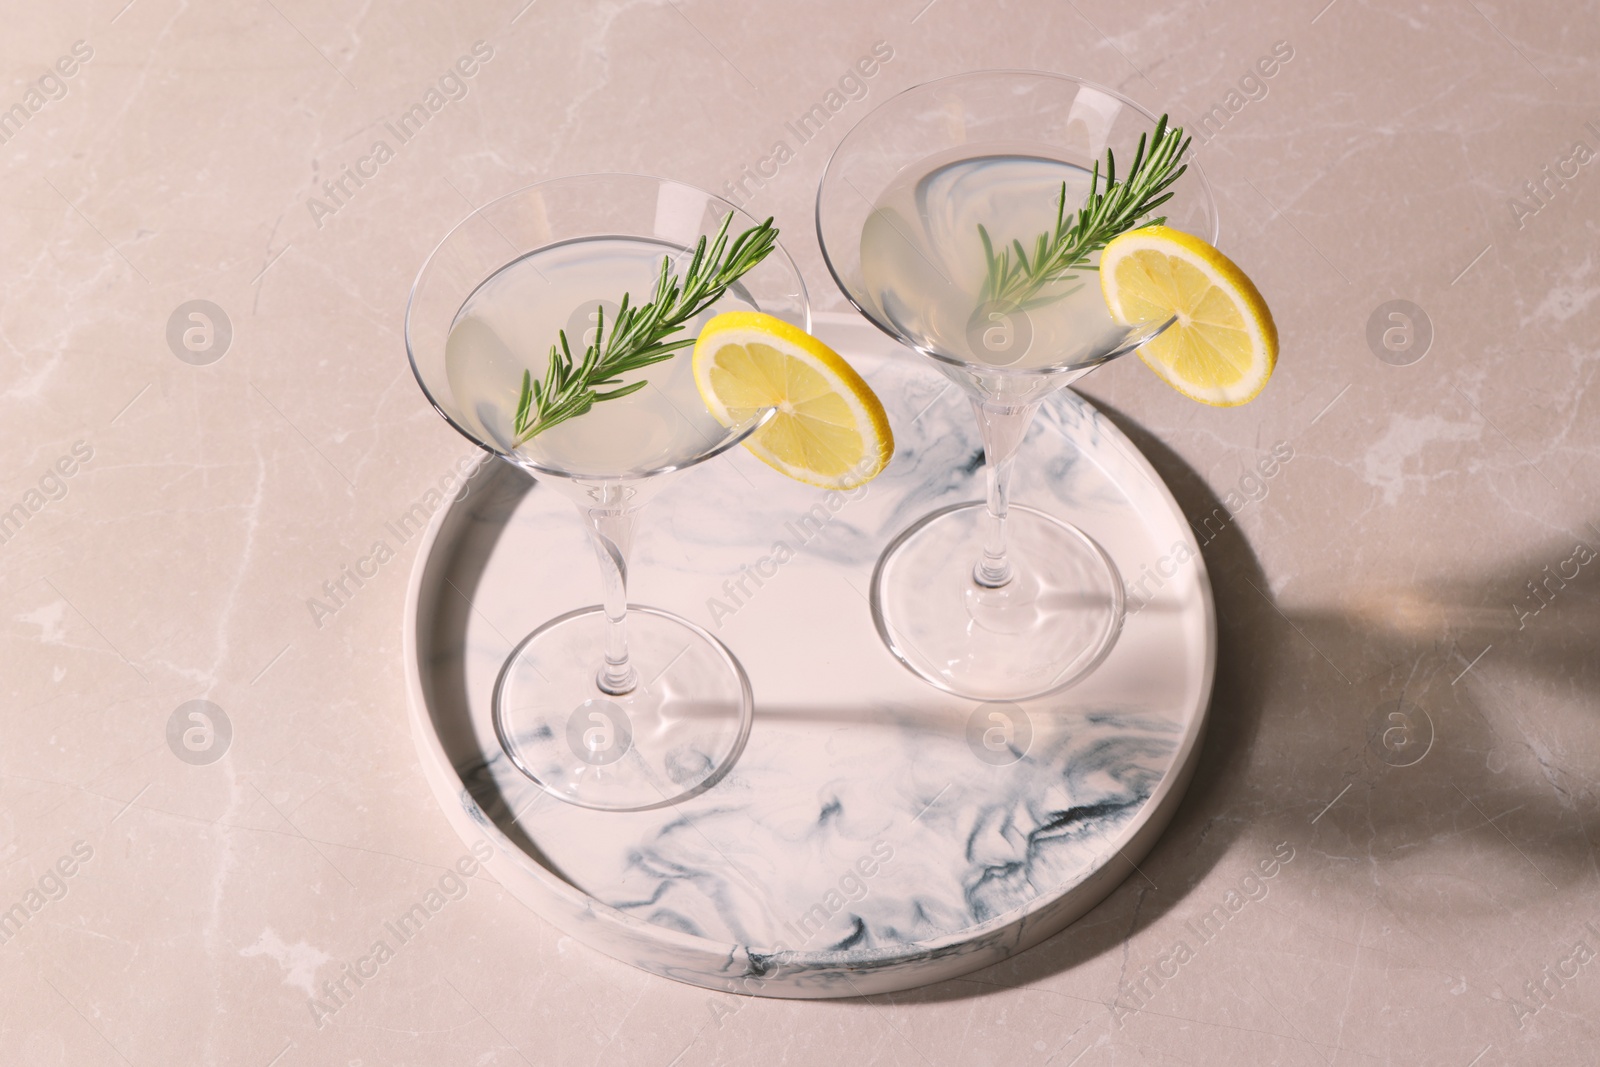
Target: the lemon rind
(1223, 273)
(869, 418)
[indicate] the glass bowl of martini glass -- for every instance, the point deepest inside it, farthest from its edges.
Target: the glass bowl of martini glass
(948, 217)
(616, 706)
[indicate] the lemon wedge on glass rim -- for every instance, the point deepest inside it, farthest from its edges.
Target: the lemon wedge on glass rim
(830, 429)
(1223, 347)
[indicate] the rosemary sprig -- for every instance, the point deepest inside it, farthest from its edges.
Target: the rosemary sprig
(1016, 278)
(641, 335)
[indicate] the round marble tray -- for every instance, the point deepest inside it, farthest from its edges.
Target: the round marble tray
(876, 834)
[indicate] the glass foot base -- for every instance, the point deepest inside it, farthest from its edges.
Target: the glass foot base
(1045, 629)
(674, 735)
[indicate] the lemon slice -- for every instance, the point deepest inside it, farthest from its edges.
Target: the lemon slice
(1223, 347)
(830, 429)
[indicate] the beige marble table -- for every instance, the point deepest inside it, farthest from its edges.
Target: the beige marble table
(1404, 728)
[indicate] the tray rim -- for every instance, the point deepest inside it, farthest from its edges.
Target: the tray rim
(1148, 824)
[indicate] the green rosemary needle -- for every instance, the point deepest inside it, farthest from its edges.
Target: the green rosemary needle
(641, 335)
(1015, 278)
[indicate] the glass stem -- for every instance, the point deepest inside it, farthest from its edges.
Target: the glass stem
(1003, 427)
(611, 527)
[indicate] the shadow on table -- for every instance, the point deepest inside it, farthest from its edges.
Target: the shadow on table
(1379, 707)
(1331, 766)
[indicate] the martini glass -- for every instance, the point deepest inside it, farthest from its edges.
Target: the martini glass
(990, 599)
(616, 706)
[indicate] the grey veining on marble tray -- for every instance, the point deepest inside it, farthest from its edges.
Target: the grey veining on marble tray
(867, 839)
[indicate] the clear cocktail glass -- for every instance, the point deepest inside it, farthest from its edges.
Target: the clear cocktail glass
(616, 706)
(990, 599)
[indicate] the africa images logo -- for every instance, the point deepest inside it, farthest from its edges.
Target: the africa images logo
(452, 85)
(48, 88)
(337, 992)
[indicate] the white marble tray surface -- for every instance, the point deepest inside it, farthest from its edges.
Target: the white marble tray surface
(867, 840)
